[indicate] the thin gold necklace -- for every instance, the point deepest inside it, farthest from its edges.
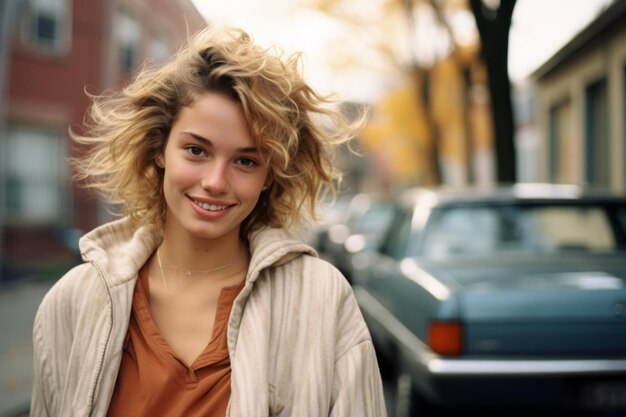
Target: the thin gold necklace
(190, 272)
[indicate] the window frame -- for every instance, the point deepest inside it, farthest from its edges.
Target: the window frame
(62, 43)
(57, 176)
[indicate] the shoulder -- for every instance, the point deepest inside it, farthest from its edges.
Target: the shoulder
(313, 290)
(79, 288)
(309, 270)
(315, 283)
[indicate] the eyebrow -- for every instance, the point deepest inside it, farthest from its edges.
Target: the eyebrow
(247, 149)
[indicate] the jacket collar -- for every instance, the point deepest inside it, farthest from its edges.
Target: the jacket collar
(119, 249)
(273, 247)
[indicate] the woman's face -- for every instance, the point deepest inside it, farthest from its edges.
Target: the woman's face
(213, 172)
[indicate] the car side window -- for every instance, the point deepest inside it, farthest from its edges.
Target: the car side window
(620, 215)
(395, 242)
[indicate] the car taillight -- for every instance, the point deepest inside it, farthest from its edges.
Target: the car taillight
(445, 337)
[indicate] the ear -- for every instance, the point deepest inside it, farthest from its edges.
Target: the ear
(269, 180)
(159, 161)
(268, 183)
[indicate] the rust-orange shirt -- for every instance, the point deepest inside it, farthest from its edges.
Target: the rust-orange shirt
(152, 381)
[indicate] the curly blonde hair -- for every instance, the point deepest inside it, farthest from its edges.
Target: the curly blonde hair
(127, 131)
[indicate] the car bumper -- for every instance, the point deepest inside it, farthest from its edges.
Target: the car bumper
(465, 367)
(567, 383)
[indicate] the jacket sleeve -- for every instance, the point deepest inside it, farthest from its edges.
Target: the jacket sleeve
(52, 343)
(41, 395)
(357, 385)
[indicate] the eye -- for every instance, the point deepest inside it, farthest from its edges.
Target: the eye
(246, 162)
(194, 150)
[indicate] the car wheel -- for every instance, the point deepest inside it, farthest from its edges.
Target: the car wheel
(407, 402)
(403, 393)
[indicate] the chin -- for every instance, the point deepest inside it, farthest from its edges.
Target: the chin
(209, 233)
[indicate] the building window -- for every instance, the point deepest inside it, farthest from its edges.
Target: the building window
(563, 151)
(129, 36)
(49, 24)
(35, 175)
(597, 134)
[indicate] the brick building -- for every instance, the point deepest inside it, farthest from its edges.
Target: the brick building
(56, 51)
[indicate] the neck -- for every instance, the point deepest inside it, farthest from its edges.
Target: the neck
(189, 253)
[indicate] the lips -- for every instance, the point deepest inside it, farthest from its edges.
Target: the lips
(209, 209)
(208, 206)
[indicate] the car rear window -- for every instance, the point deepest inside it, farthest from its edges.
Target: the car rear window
(483, 230)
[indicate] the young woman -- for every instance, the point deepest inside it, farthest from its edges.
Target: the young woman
(200, 302)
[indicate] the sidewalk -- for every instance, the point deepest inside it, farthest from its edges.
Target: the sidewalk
(18, 304)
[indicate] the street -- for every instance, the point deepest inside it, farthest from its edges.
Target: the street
(394, 411)
(18, 304)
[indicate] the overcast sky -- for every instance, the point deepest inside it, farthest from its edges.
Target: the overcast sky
(542, 27)
(539, 29)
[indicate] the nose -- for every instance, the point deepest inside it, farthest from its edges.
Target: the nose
(215, 177)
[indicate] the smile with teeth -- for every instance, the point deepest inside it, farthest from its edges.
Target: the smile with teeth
(210, 207)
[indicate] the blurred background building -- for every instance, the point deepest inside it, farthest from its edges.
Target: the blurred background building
(581, 112)
(433, 117)
(52, 53)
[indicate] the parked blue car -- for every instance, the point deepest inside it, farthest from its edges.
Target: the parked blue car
(501, 299)
(361, 228)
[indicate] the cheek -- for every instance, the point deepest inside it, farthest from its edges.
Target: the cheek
(168, 189)
(256, 187)
(175, 182)
(176, 177)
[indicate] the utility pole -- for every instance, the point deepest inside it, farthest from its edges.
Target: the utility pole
(8, 16)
